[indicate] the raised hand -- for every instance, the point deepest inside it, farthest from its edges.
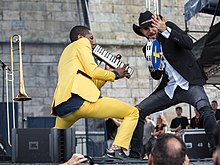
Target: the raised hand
(159, 23)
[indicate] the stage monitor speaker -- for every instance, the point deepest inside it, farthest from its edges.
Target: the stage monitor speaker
(69, 144)
(196, 143)
(42, 145)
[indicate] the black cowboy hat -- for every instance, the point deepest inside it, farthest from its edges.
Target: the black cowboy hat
(144, 22)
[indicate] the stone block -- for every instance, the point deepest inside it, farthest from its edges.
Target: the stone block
(48, 100)
(9, 5)
(106, 17)
(52, 81)
(18, 25)
(5, 34)
(101, 8)
(56, 49)
(1, 16)
(53, 6)
(32, 6)
(42, 82)
(36, 15)
(123, 2)
(38, 92)
(51, 91)
(121, 83)
(37, 101)
(44, 59)
(127, 100)
(37, 49)
(133, 83)
(143, 82)
(69, 6)
(28, 80)
(132, 62)
(35, 25)
(66, 28)
(63, 16)
(11, 15)
(142, 73)
(119, 9)
(139, 92)
(132, 9)
(119, 92)
(31, 110)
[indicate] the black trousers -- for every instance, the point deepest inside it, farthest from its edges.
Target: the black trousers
(158, 101)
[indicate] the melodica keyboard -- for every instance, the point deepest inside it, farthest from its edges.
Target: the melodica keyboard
(110, 59)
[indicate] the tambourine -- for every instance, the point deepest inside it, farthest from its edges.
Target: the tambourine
(152, 54)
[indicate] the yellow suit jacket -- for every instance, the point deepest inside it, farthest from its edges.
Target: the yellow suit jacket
(76, 57)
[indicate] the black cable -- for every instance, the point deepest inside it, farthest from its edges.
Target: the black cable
(216, 86)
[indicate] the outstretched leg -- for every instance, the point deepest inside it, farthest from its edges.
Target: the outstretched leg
(155, 102)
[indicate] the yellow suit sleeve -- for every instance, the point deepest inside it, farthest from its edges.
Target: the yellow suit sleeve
(91, 68)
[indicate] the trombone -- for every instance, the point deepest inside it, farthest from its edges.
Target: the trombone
(16, 39)
(15, 46)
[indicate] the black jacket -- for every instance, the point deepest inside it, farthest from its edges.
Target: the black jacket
(177, 50)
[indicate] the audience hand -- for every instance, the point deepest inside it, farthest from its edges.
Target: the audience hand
(76, 159)
(216, 157)
(178, 128)
(186, 161)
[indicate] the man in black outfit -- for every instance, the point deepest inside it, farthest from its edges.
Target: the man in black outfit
(180, 122)
(182, 77)
(214, 105)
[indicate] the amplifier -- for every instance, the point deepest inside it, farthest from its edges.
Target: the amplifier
(42, 145)
(196, 143)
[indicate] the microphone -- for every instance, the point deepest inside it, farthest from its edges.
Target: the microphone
(4, 65)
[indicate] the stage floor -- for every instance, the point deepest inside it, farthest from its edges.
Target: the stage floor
(118, 162)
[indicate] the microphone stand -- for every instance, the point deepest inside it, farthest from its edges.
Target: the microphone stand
(3, 65)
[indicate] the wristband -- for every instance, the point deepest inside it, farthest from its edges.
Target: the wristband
(117, 76)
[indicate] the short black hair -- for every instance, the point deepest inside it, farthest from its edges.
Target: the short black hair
(164, 155)
(214, 101)
(76, 30)
(180, 108)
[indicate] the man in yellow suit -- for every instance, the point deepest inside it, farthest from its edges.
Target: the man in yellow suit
(77, 93)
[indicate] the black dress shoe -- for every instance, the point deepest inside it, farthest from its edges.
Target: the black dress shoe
(118, 154)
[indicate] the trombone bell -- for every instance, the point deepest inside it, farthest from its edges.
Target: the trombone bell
(22, 97)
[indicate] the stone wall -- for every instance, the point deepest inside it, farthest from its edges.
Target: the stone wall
(44, 26)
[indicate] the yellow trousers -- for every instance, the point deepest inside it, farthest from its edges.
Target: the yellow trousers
(106, 108)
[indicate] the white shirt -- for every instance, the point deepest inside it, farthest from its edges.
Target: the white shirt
(175, 79)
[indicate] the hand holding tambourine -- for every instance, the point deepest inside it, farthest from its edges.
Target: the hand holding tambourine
(153, 55)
